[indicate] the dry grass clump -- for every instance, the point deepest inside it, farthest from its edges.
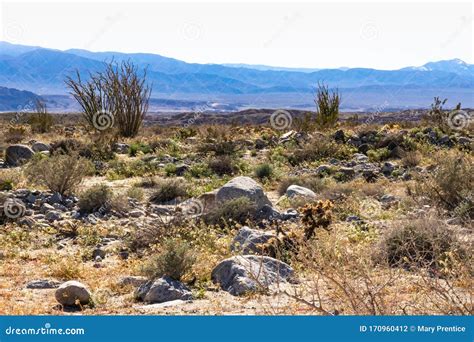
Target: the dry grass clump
(426, 242)
(450, 186)
(318, 148)
(168, 190)
(60, 173)
(222, 165)
(95, 198)
(174, 260)
(238, 210)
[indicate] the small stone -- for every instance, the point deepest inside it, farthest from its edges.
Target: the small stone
(42, 284)
(164, 289)
(71, 293)
(299, 191)
(136, 213)
(40, 147)
(53, 215)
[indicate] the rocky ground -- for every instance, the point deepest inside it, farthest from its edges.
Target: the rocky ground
(228, 219)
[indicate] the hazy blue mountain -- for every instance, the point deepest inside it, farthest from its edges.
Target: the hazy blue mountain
(16, 100)
(43, 72)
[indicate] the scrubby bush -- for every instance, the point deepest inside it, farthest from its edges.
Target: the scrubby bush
(120, 169)
(135, 193)
(168, 190)
(426, 242)
(41, 121)
(411, 158)
(95, 198)
(174, 260)
(60, 173)
(327, 106)
(222, 165)
(69, 146)
(318, 148)
(15, 134)
(264, 171)
(450, 186)
(139, 147)
(238, 210)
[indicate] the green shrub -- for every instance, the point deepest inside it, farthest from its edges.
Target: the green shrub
(238, 210)
(450, 186)
(319, 148)
(327, 106)
(41, 121)
(264, 171)
(421, 243)
(174, 260)
(60, 173)
(135, 193)
(222, 165)
(168, 190)
(95, 198)
(170, 169)
(380, 154)
(137, 147)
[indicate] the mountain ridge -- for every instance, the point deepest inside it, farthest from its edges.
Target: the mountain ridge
(43, 70)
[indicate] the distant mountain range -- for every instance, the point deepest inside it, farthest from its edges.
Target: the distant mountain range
(181, 85)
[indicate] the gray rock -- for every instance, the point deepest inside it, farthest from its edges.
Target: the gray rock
(289, 214)
(30, 199)
(360, 158)
(243, 187)
(247, 240)
(16, 155)
(53, 215)
(363, 148)
(267, 212)
(41, 284)
(27, 221)
(162, 290)
(181, 169)
(299, 191)
(242, 274)
(323, 169)
(55, 198)
(388, 168)
(464, 141)
(136, 213)
(40, 147)
(348, 172)
(45, 207)
(98, 252)
(121, 148)
(72, 292)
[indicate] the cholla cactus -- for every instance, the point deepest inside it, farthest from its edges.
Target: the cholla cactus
(316, 215)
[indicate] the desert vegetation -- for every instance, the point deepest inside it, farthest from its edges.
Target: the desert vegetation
(324, 217)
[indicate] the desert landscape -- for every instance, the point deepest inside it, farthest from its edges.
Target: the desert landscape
(113, 210)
